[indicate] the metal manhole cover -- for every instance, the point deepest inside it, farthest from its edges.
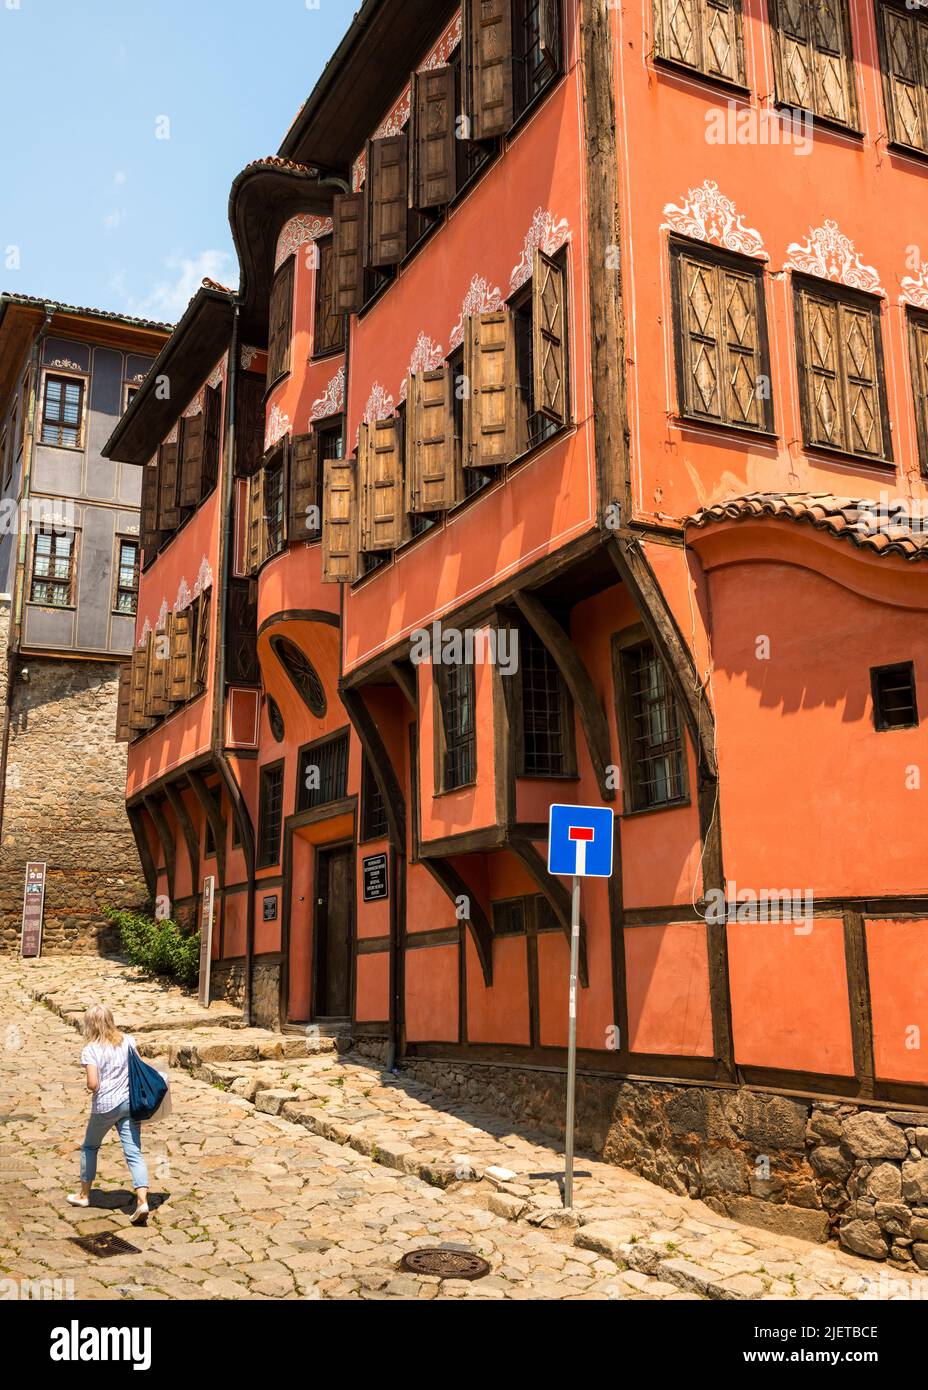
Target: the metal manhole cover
(104, 1244)
(447, 1264)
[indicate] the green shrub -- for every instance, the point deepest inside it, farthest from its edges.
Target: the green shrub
(159, 947)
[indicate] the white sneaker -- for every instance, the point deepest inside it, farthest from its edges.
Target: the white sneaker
(140, 1215)
(77, 1200)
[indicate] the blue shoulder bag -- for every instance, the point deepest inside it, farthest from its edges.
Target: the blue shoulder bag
(147, 1088)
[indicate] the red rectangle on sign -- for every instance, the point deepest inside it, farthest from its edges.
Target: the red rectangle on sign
(579, 832)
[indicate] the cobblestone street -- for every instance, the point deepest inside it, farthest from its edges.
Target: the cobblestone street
(324, 1199)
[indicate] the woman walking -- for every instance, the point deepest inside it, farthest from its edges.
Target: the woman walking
(105, 1059)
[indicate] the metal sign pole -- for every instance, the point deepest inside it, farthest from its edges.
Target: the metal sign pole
(572, 1042)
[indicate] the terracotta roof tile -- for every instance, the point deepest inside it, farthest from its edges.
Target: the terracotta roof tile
(866, 522)
(83, 310)
(276, 161)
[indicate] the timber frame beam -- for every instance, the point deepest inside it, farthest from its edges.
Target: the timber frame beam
(153, 807)
(555, 892)
(375, 750)
(216, 821)
(448, 878)
(136, 817)
(182, 816)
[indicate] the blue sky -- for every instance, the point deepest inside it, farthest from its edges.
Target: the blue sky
(100, 211)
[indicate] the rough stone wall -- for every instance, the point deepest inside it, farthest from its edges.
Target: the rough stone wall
(816, 1169)
(227, 981)
(65, 803)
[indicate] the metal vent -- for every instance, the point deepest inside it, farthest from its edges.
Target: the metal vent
(447, 1264)
(105, 1244)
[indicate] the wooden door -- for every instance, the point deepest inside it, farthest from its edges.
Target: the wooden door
(334, 923)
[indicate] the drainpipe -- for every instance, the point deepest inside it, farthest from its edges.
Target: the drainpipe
(16, 606)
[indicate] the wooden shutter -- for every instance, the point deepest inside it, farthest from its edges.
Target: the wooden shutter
(859, 372)
(434, 479)
(181, 666)
(148, 519)
(491, 415)
(380, 478)
(168, 510)
(249, 424)
(302, 486)
(339, 521)
(490, 33)
(124, 704)
(279, 322)
(348, 216)
(192, 430)
(433, 149)
(255, 552)
(549, 338)
(702, 34)
(201, 644)
(212, 438)
(812, 58)
(387, 200)
(155, 702)
(242, 630)
(905, 76)
(918, 343)
(549, 33)
(721, 346)
(138, 719)
(822, 364)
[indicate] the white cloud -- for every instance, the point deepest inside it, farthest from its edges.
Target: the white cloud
(113, 219)
(170, 296)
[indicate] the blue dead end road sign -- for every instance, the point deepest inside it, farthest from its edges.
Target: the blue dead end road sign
(580, 841)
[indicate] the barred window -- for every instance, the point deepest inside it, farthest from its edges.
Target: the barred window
(722, 351)
(653, 743)
(329, 331)
(813, 59)
(705, 35)
(373, 808)
(893, 691)
(904, 61)
(842, 380)
(536, 62)
(544, 719)
(53, 569)
(127, 577)
(457, 726)
(270, 815)
(63, 411)
(323, 773)
(302, 673)
(274, 504)
(509, 917)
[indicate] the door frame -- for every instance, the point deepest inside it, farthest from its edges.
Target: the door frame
(321, 851)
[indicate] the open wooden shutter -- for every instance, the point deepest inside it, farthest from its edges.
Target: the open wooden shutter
(179, 681)
(302, 487)
(148, 520)
(192, 429)
(549, 338)
(255, 549)
(339, 521)
(490, 32)
(212, 438)
(138, 719)
(382, 483)
(433, 148)
(549, 33)
(434, 478)
(124, 704)
(249, 424)
(492, 432)
(168, 510)
(155, 702)
(279, 322)
(387, 200)
(348, 215)
(201, 644)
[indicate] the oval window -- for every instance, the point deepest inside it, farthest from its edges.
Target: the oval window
(302, 673)
(275, 719)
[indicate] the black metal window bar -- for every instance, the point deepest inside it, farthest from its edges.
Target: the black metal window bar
(458, 721)
(540, 427)
(330, 759)
(656, 743)
(270, 814)
(544, 708)
(274, 506)
(373, 807)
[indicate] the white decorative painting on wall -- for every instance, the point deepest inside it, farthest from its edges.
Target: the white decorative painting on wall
(277, 426)
(161, 624)
(830, 255)
(144, 634)
(184, 596)
(427, 356)
(479, 299)
(216, 375)
(195, 406)
(299, 231)
(248, 356)
(548, 233)
(914, 288)
(204, 579)
(332, 401)
(706, 214)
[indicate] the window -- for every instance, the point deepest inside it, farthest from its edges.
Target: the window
(722, 352)
(279, 323)
(302, 673)
(329, 331)
(8, 447)
(813, 59)
(705, 35)
(650, 723)
(893, 690)
(323, 773)
(373, 809)
(329, 445)
(537, 56)
(475, 480)
(539, 427)
(270, 815)
(842, 381)
(53, 569)
(275, 719)
(63, 411)
(470, 157)
(127, 577)
(904, 61)
(918, 345)
(209, 839)
(514, 54)
(274, 504)
(509, 917)
(545, 716)
(457, 728)
(131, 393)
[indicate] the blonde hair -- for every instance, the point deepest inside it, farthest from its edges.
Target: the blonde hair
(97, 1025)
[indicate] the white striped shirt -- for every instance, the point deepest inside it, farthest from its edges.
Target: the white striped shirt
(112, 1064)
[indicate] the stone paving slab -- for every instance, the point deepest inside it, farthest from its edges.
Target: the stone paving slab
(404, 1126)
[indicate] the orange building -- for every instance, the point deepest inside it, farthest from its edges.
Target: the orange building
(567, 440)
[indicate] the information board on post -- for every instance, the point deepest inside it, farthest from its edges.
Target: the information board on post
(33, 910)
(207, 914)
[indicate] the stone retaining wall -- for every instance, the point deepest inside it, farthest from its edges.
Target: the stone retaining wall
(227, 981)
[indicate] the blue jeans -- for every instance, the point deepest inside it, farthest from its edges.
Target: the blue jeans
(130, 1136)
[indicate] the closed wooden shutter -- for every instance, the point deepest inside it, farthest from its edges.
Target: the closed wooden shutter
(249, 424)
(812, 58)
(433, 149)
(490, 34)
(124, 704)
(702, 34)
(256, 548)
(348, 216)
(822, 362)
(155, 702)
(148, 519)
(380, 476)
(201, 644)
(339, 521)
(491, 417)
(549, 338)
(843, 400)
(434, 478)
(861, 389)
(138, 718)
(905, 76)
(387, 200)
(212, 438)
(181, 665)
(279, 323)
(303, 489)
(192, 430)
(168, 510)
(242, 620)
(721, 347)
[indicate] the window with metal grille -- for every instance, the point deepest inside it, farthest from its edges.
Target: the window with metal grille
(418, 522)
(894, 702)
(654, 742)
(63, 411)
(705, 35)
(323, 773)
(127, 577)
(373, 808)
(270, 815)
(534, 66)
(302, 673)
(509, 917)
(544, 742)
(274, 504)
(329, 445)
(53, 569)
(329, 330)
(540, 426)
(470, 155)
(455, 685)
